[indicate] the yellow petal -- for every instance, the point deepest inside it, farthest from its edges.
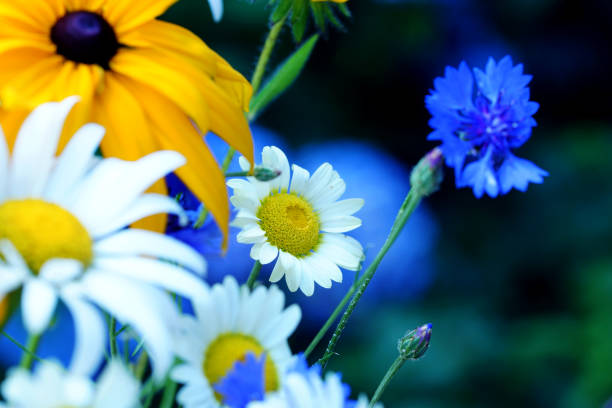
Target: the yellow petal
(128, 135)
(40, 14)
(148, 67)
(125, 15)
(176, 40)
(174, 131)
(89, 5)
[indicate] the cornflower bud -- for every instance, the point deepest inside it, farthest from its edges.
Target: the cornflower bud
(415, 343)
(427, 175)
(265, 174)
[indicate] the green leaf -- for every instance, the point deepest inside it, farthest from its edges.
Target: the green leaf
(281, 10)
(299, 18)
(344, 10)
(318, 12)
(283, 77)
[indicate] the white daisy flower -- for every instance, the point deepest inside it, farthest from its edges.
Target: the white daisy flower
(230, 323)
(63, 236)
(50, 386)
(300, 223)
(308, 390)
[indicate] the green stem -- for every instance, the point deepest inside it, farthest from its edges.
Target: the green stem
(168, 396)
(21, 346)
(266, 52)
(141, 365)
(112, 334)
(410, 203)
(237, 174)
(28, 353)
(330, 320)
(253, 275)
(395, 367)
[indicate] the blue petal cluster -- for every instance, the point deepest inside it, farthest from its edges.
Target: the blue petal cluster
(244, 382)
(481, 117)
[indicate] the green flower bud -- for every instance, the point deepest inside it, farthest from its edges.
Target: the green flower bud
(265, 174)
(415, 343)
(427, 175)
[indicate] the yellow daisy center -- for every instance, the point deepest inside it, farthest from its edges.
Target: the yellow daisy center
(229, 348)
(41, 231)
(290, 223)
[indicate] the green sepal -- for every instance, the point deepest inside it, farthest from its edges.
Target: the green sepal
(318, 13)
(299, 18)
(331, 16)
(281, 10)
(283, 77)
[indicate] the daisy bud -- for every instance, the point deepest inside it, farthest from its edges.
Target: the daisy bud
(265, 174)
(427, 175)
(415, 343)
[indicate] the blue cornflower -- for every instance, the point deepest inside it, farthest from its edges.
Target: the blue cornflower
(481, 117)
(244, 382)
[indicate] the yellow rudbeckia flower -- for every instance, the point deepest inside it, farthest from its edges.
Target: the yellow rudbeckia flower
(146, 81)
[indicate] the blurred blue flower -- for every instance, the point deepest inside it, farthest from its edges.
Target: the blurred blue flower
(244, 382)
(480, 117)
(383, 182)
(207, 239)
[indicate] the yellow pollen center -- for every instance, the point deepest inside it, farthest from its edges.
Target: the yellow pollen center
(229, 348)
(290, 223)
(41, 231)
(4, 310)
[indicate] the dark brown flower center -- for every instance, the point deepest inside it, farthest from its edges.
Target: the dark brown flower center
(85, 37)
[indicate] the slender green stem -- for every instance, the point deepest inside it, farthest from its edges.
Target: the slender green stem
(254, 274)
(237, 174)
(395, 367)
(141, 365)
(21, 346)
(410, 203)
(266, 52)
(112, 334)
(168, 395)
(28, 353)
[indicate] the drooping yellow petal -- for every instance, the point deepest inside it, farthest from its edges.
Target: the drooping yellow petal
(125, 15)
(89, 5)
(128, 135)
(176, 40)
(14, 62)
(175, 131)
(148, 67)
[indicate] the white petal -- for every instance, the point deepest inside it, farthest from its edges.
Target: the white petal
(11, 256)
(38, 302)
(278, 272)
(299, 180)
(143, 206)
(11, 279)
(90, 335)
(307, 282)
(350, 244)
(285, 326)
(293, 273)
(141, 242)
(340, 208)
(115, 184)
(151, 271)
(149, 311)
(256, 250)
(244, 163)
(216, 7)
(117, 388)
(74, 161)
(35, 146)
(332, 192)
(341, 224)
(319, 180)
(268, 253)
(339, 255)
(59, 271)
(245, 202)
(252, 234)
(283, 166)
